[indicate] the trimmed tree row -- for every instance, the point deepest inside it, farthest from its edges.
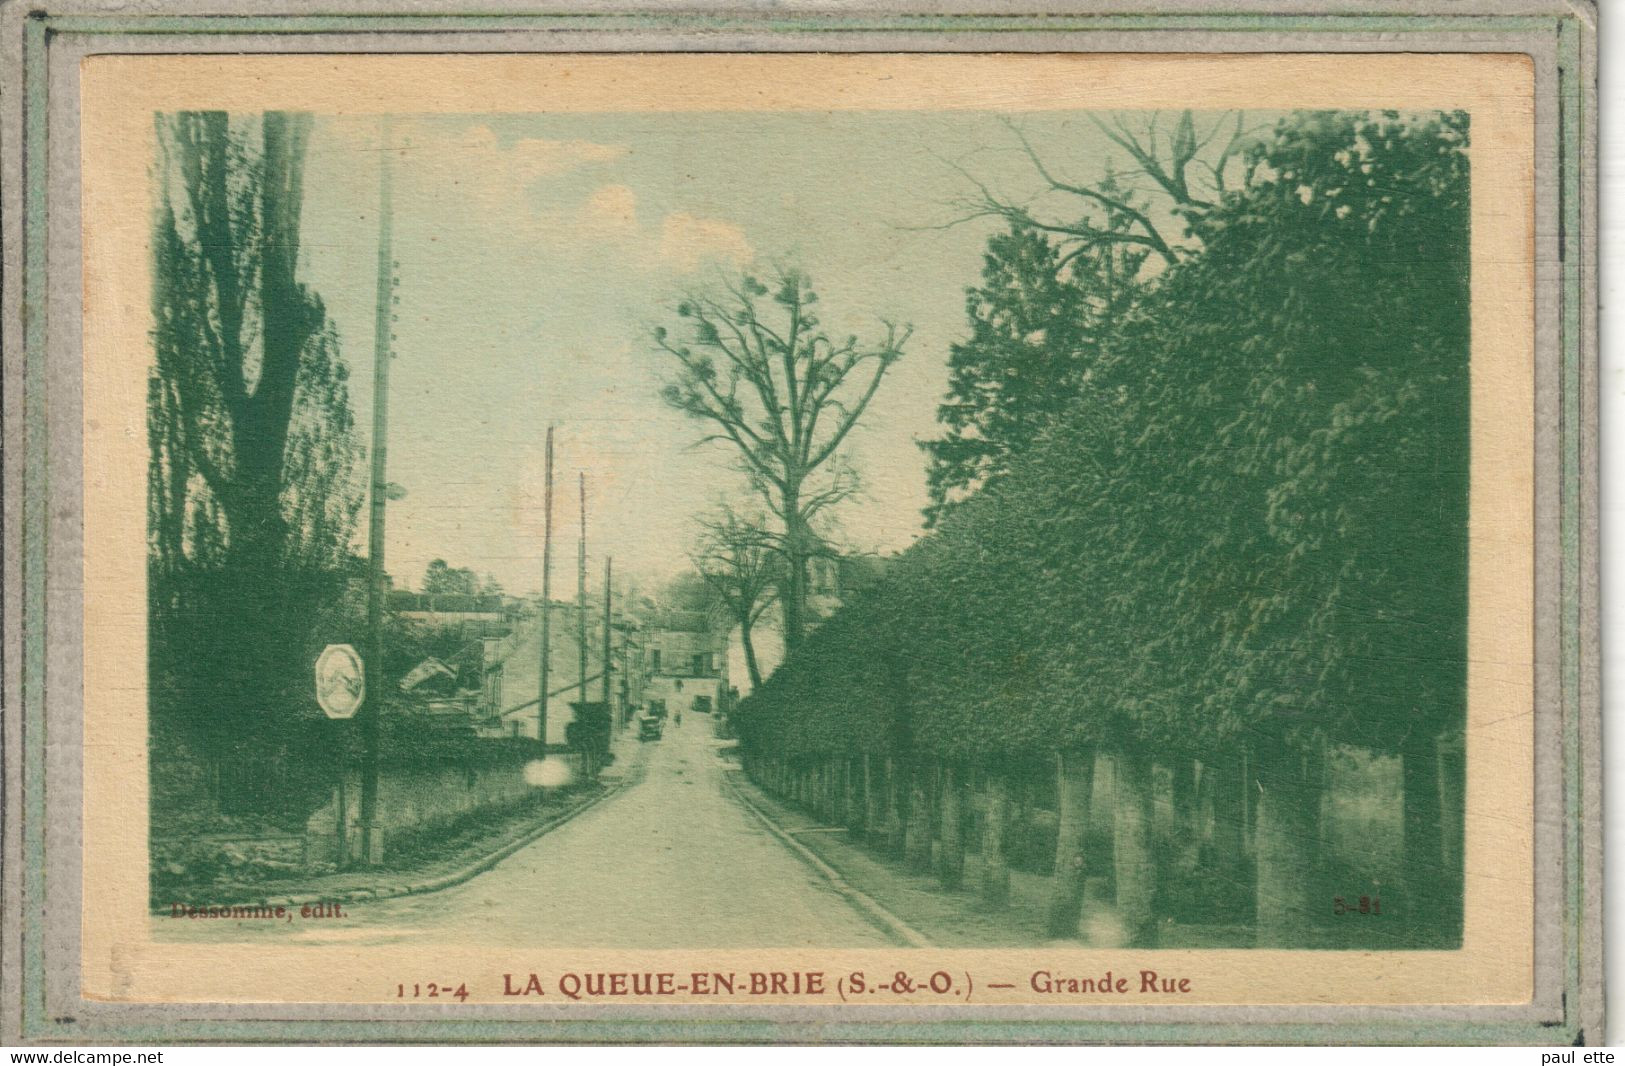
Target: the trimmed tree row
(1242, 547)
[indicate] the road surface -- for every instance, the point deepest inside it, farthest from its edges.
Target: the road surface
(670, 861)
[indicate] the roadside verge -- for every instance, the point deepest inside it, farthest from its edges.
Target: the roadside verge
(862, 902)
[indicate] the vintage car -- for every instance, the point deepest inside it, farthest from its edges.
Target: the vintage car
(649, 727)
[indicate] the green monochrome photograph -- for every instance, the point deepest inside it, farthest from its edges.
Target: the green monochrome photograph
(1063, 517)
(598, 543)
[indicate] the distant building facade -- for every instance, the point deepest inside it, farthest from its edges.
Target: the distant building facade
(476, 616)
(831, 581)
(685, 663)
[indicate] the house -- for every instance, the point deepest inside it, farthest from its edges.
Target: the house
(831, 581)
(685, 662)
(516, 663)
(475, 616)
(433, 695)
(834, 579)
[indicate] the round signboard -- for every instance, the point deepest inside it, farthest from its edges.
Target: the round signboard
(341, 684)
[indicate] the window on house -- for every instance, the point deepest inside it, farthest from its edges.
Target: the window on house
(654, 660)
(698, 664)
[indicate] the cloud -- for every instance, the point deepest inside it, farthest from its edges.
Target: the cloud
(536, 158)
(612, 210)
(525, 161)
(472, 177)
(687, 241)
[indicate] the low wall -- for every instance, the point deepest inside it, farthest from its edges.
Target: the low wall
(412, 799)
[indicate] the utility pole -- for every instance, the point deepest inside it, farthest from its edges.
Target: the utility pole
(547, 598)
(581, 594)
(608, 563)
(371, 834)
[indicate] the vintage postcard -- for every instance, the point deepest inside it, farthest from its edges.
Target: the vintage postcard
(814, 538)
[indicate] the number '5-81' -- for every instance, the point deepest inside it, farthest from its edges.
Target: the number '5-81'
(1364, 905)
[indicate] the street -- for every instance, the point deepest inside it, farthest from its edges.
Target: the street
(670, 861)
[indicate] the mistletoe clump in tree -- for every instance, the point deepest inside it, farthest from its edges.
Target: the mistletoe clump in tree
(753, 364)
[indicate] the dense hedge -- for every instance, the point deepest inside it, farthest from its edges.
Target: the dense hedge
(1251, 523)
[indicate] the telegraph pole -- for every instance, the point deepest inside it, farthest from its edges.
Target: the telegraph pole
(371, 835)
(581, 593)
(547, 598)
(608, 563)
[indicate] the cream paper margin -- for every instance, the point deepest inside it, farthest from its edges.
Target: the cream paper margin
(120, 94)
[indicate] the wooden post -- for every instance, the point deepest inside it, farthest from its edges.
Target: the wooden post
(545, 664)
(1074, 779)
(951, 855)
(581, 602)
(1136, 868)
(995, 874)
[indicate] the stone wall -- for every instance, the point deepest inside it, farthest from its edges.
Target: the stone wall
(412, 799)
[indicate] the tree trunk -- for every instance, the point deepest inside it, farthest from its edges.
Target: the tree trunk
(853, 797)
(917, 839)
(1224, 858)
(1285, 841)
(749, 647)
(793, 594)
(1452, 816)
(1075, 773)
(874, 801)
(951, 860)
(995, 874)
(1428, 881)
(1136, 867)
(1182, 831)
(896, 807)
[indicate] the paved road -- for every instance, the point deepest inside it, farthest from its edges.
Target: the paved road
(671, 861)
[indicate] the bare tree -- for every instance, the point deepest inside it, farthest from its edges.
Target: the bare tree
(739, 557)
(785, 395)
(1176, 172)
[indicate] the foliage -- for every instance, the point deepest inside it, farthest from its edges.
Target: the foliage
(441, 579)
(252, 494)
(1040, 320)
(1251, 525)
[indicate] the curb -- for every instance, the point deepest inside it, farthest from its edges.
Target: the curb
(888, 923)
(445, 881)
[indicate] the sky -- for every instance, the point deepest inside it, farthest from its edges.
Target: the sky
(537, 252)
